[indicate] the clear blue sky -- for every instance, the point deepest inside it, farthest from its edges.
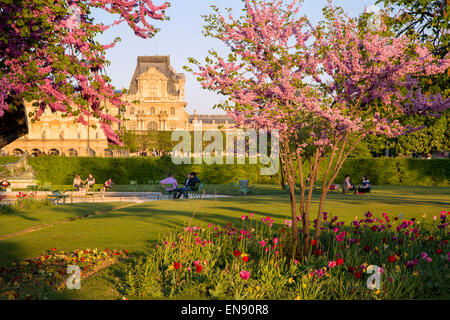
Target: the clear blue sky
(181, 37)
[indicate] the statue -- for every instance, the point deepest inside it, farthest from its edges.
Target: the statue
(19, 170)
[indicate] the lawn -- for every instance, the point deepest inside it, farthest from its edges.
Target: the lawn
(137, 227)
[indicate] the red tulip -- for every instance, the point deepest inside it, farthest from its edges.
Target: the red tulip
(245, 258)
(176, 265)
(358, 275)
(392, 259)
(339, 261)
(237, 253)
(199, 268)
(438, 251)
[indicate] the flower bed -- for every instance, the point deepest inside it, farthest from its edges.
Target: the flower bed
(250, 261)
(33, 278)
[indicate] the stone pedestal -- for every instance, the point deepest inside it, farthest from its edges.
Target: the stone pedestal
(22, 184)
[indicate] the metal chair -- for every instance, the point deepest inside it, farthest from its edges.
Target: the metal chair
(165, 192)
(243, 187)
(133, 186)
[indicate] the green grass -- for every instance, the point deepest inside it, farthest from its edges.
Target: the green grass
(25, 219)
(137, 227)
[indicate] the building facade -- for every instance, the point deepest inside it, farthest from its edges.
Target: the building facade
(156, 97)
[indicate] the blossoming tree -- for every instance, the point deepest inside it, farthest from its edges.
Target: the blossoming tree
(324, 88)
(49, 55)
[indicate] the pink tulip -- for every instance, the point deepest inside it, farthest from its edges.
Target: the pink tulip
(244, 274)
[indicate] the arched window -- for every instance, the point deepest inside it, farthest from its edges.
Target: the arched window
(61, 135)
(73, 152)
(35, 152)
(53, 152)
(152, 110)
(44, 135)
(153, 126)
(172, 111)
(132, 110)
(108, 153)
(17, 152)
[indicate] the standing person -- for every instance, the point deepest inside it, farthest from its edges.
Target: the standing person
(77, 182)
(170, 180)
(347, 185)
(90, 181)
(365, 187)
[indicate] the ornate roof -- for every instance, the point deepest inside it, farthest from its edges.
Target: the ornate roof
(161, 64)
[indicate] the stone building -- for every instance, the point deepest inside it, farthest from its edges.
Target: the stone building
(55, 135)
(160, 93)
(156, 96)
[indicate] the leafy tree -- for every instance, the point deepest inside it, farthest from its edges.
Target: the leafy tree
(324, 88)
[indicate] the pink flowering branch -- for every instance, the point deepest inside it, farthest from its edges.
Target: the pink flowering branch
(48, 55)
(324, 87)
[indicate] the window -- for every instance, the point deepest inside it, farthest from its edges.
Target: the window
(132, 110)
(152, 126)
(153, 90)
(172, 111)
(152, 110)
(44, 135)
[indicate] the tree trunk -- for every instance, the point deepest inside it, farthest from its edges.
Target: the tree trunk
(306, 233)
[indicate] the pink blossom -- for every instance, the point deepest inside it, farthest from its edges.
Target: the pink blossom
(244, 274)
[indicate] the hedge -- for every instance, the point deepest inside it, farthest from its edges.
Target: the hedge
(390, 171)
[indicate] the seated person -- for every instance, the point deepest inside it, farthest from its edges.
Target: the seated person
(169, 180)
(190, 184)
(107, 185)
(365, 187)
(347, 185)
(90, 181)
(77, 183)
(4, 185)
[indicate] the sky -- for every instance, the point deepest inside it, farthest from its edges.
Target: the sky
(181, 37)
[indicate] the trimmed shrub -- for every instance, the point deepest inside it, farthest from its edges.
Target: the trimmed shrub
(390, 171)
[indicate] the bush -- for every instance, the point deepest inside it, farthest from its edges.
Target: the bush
(391, 171)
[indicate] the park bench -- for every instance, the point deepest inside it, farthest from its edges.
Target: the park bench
(198, 191)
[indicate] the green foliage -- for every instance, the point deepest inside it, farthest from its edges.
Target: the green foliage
(395, 171)
(26, 201)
